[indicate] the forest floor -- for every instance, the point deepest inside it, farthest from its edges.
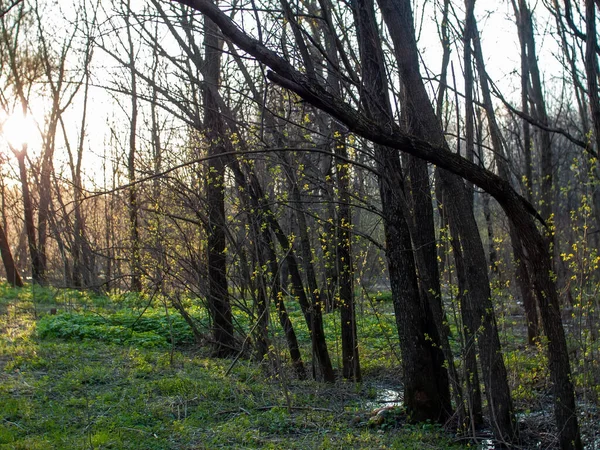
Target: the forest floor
(85, 372)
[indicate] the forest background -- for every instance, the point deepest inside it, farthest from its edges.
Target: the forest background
(255, 169)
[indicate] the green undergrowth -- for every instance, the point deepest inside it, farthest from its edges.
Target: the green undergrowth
(152, 329)
(79, 371)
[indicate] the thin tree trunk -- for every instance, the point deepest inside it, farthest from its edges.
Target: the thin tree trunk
(537, 97)
(592, 71)
(12, 274)
(136, 271)
(37, 266)
(522, 276)
(344, 264)
(259, 212)
(277, 299)
(218, 296)
(469, 107)
(591, 68)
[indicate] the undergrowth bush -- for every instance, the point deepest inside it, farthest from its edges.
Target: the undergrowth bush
(150, 331)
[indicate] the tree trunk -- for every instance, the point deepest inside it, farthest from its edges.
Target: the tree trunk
(260, 214)
(398, 17)
(426, 390)
(539, 112)
(133, 206)
(312, 313)
(37, 262)
(422, 230)
(522, 276)
(471, 373)
(344, 264)
(218, 296)
(12, 274)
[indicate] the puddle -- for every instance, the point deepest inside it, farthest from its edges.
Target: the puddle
(386, 397)
(487, 444)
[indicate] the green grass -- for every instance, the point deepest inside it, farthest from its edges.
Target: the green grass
(99, 375)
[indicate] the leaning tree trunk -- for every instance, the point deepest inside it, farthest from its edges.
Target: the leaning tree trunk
(277, 299)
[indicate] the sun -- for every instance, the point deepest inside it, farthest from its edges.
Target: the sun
(19, 130)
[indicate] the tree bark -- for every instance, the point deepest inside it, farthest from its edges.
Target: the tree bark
(426, 390)
(37, 262)
(344, 264)
(12, 274)
(522, 276)
(218, 296)
(537, 97)
(478, 308)
(133, 206)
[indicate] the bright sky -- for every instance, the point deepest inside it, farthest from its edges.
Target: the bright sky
(495, 22)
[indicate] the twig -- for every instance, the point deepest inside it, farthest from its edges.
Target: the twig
(297, 408)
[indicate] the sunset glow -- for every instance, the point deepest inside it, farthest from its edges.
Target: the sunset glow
(19, 130)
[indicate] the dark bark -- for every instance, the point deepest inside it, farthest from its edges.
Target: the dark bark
(478, 306)
(84, 274)
(133, 206)
(218, 295)
(254, 196)
(527, 144)
(260, 292)
(313, 314)
(422, 231)
(468, 33)
(344, 264)
(259, 213)
(38, 270)
(12, 274)
(277, 299)
(536, 96)
(426, 390)
(591, 69)
(469, 314)
(251, 192)
(470, 372)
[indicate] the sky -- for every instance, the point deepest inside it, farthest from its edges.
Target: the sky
(499, 41)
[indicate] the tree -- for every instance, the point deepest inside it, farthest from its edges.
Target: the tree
(517, 209)
(12, 274)
(426, 390)
(477, 307)
(21, 72)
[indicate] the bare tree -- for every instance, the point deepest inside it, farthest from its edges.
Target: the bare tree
(517, 209)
